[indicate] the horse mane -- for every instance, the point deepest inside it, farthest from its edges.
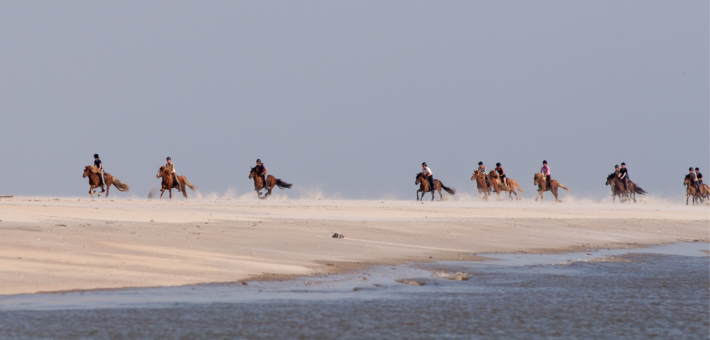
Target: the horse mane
(93, 169)
(493, 174)
(538, 175)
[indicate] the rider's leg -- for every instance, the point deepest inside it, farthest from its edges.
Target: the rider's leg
(103, 180)
(431, 183)
(175, 182)
(488, 181)
(549, 182)
(505, 180)
(263, 178)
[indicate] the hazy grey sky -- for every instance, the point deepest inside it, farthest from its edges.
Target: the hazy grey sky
(350, 97)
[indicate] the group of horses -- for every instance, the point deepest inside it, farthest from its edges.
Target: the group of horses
(94, 175)
(691, 190)
(617, 189)
(493, 183)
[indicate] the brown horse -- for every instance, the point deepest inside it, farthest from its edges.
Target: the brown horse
(481, 184)
(271, 181)
(169, 184)
(95, 181)
(617, 189)
(498, 185)
(424, 187)
(690, 190)
(541, 181)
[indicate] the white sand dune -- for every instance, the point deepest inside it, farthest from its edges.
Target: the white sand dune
(67, 244)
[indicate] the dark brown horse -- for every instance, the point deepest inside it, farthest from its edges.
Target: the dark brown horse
(424, 187)
(499, 186)
(271, 182)
(617, 189)
(541, 181)
(169, 184)
(95, 181)
(481, 184)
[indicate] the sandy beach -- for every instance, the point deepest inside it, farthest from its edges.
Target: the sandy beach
(60, 244)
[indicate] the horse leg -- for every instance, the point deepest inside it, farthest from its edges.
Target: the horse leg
(162, 191)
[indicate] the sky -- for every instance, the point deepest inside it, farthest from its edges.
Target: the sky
(348, 98)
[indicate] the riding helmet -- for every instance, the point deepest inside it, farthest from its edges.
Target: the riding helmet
(480, 163)
(424, 164)
(691, 169)
(622, 163)
(258, 160)
(616, 166)
(497, 164)
(167, 159)
(544, 162)
(697, 169)
(96, 155)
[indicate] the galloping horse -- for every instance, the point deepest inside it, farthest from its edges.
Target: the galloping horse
(95, 181)
(690, 190)
(424, 187)
(168, 183)
(617, 189)
(271, 181)
(553, 186)
(481, 184)
(498, 185)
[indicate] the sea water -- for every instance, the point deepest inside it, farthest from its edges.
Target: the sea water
(657, 292)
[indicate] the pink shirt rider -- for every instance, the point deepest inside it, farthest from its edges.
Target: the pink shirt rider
(545, 170)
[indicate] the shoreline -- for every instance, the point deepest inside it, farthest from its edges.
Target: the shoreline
(57, 245)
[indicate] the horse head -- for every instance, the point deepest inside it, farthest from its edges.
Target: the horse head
(86, 171)
(493, 174)
(160, 172)
(418, 179)
(610, 179)
(252, 173)
(536, 179)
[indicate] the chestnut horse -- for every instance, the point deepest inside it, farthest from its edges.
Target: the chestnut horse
(617, 189)
(481, 184)
(498, 185)
(424, 187)
(690, 190)
(95, 181)
(271, 181)
(169, 184)
(541, 181)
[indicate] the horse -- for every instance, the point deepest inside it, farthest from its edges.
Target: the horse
(498, 185)
(424, 187)
(481, 184)
(540, 179)
(617, 189)
(95, 181)
(168, 184)
(690, 190)
(271, 181)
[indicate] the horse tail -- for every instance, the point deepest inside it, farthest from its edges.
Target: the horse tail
(562, 186)
(638, 190)
(189, 185)
(451, 191)
(122, 187)
(283, 185)
(518, 187)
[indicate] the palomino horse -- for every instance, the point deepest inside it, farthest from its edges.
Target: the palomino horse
(95, 181)
(169, 184)
(690, 190)
(498, 185)
(424, 187)
(541, 181)
(617, 189)
(481, 184)
(271, 181)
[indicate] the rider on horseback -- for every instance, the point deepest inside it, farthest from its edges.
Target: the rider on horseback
(501, 172)
(623, 176)
(261, 170)
(171, 166)
(482, 169)
(694, 179)
(546, 172)
(99, 165)
(428, 175)
(699, 176)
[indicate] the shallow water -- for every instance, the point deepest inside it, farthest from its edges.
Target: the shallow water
(660, 292)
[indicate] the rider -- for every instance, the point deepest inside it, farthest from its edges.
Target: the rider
(501, 172)
(546, 172)
(261, 169)
(699, 175)
(694, 179)
(482, 169)
(171, 166)
(623, 176)
(100, 166)
(428, 175)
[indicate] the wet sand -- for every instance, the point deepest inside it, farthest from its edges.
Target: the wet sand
(59, 244)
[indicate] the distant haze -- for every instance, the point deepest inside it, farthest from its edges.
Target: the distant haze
(349, 97)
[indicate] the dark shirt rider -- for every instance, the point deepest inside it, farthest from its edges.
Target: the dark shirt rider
(501, 173)
(261, 170)
(694, 180)
(699, 176)
(99, 165)
(624, 176)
